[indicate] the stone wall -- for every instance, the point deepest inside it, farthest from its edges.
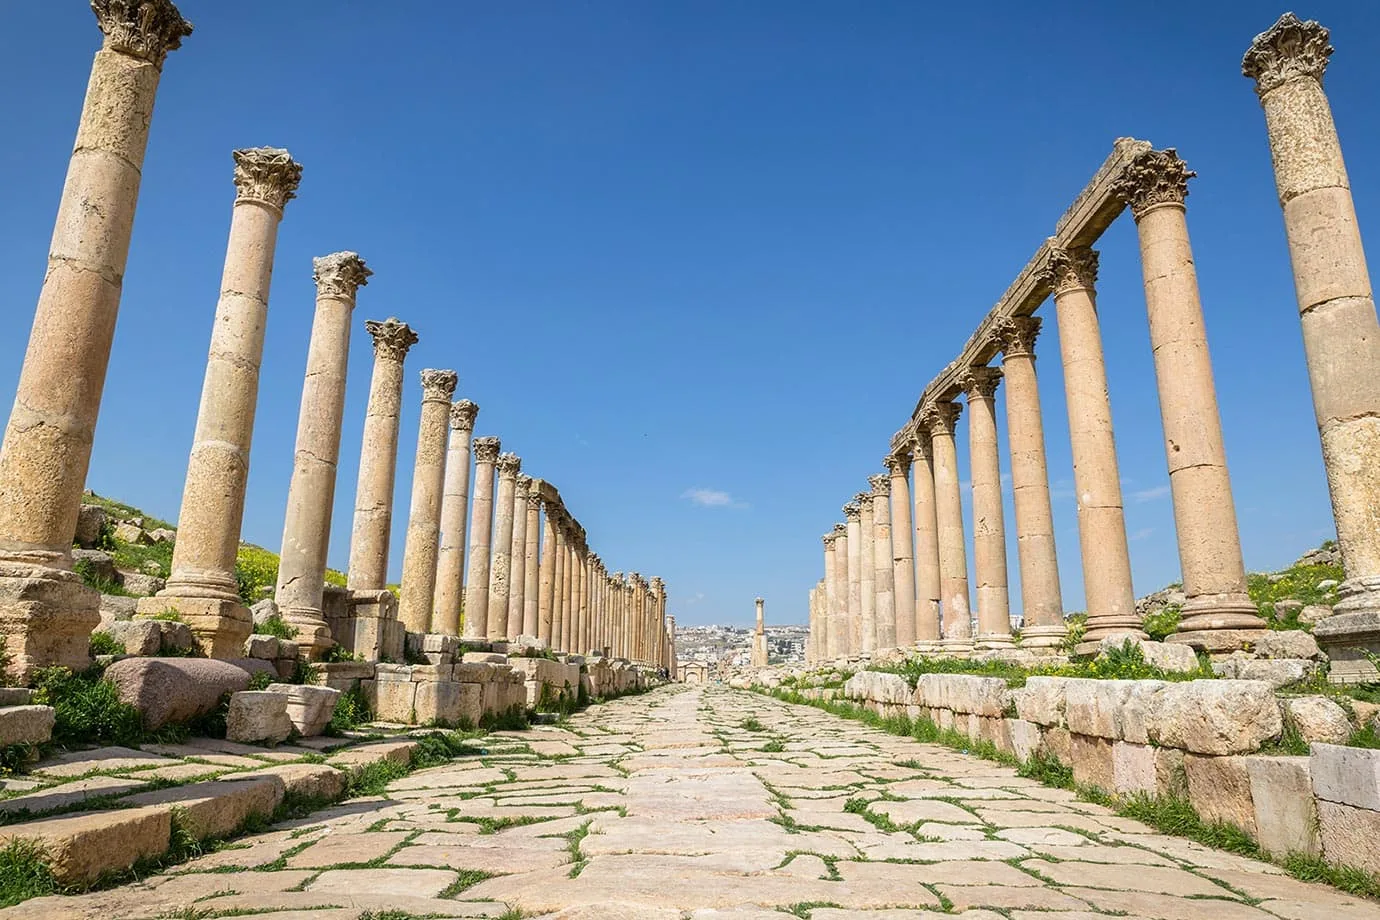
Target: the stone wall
(1200, 740)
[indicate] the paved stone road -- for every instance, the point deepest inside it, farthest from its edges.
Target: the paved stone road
(667, 806)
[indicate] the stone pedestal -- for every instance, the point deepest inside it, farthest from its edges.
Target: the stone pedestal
(311, 492)
(940, 419)
(46, 615)
(486, 452)
(501, 624)
(455, 505)
(370, 627)
(418, 588)
(989, 526)
(902, 548)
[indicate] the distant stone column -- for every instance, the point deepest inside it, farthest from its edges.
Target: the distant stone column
(1096, 476)
(1041, 600)
(311, 491)
(568, 593)
(531, 590)
(202, 588)
(46, 613)
(418, 588)
(852, 513)
(1218, 614)
(501, 552)
(671, 642)
(866, 528)
(455, 505)
(883, 577)
(581, 602)
(928, 588)
(517, 567)
(662, 621)
(546, 597)
(825, 625)
(476, 612)
(619, 625)
(378, 457)
(902, 548)
(1341, 336)
(558, 606)
(989, 526)
(941, 419)
(840, 632)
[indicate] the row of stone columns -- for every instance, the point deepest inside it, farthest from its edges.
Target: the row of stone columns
(850, 612)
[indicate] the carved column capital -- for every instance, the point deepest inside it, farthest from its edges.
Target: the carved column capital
(898, 463)
(392, 338)
(881, 484)
(863, 500)
(1290, 48)
(853, 512)
(1017, 336)
(1073, 269)
(523, 486)
(922, 448)
(509, 465)
(1153, 179)
(463, 412)
(840, 530)
(829, 539)
(981, 382)
(340, 274)
(146, 29)
(267, 175)
(486, 449)
(940, 418)
(438, 385)
(533, 499)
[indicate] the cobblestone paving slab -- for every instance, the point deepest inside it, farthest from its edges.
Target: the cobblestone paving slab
(712, 804)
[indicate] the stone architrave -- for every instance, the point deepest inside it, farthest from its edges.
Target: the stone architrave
(884, 578)
(531, 591)
(1341, 334)
(1096, 475)
(852, 513)
(989, 527)
(1218, 614)
(501, 625)
(941, 419)
(378, 457)
(546, 589)
(840, 632)
(902, 548)
(418, 589)
(1041, 601)
(517, 566)
(928, 586)
(311, 491)
(202, 588)
(822, 624)
(455, 506)
(46, 613)
(866, 557)
(476, 613)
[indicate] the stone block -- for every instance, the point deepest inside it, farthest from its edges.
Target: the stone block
(1058, 743)
(46, 619)
(962, 693)
(167, 690)
(1135, 713)
(1133, 769)
(1286, 814)
(1277, 672)
(1287, 643)
(15, 696)
(472, 673)
(1091, 759)
(141, 584)
(309, 708)
(220, 626)
(175, 637)
(1349, 835)
(26, 724)
(314, 781)
(81, 848)
(91, 521)
(484, 658)
(1318, 719)
(97, 563)
(218, 808)
(1350, 639)
(437, 703)
(431, 672)
(139, 637)
(1093, 707)
(1042, 700)
(1167, 656)
(1213, 716)
(1026, 738)
(393, 700)
(258, 716)
(1346, 775)
(260, 646)
(116, 608)
(1220, 790)
(128, 532)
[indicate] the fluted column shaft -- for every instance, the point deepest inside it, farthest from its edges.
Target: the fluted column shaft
(476, 613)
(418, 588)
(989, 525)
(311, 491)
(928, 588)
(902, 549)
(884, 578)
(455, 506)
(546, 590)
(953, 557)
(501, 626)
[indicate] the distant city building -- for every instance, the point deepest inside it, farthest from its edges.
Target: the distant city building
(731, 646)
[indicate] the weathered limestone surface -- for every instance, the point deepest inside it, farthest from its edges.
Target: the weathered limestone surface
(989, 528)
(418, 588)
(500, 566)
(902, 548)
(486, 452)
(957, 628)
(455, 504)
(884, 576)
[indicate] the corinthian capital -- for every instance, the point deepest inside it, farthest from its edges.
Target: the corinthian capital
(829, 539)
(533, 498)
(981, 382)
(1073, 269)
(1017, 335)
(898, 463)
(1290, 48)
(881, 485)
(864, 500)
(438, 385)
(509, 465)
(523, 486)
(1156, 177)
(840, 530)
(462, 415)
(267, 175)
(146, 29)
(392, 338)
(940, 418)
(852, 512)
(486, 449)
(339, 274)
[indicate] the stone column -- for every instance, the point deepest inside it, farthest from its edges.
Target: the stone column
(825, 625)
(418, 588)
(1218, 614)
(866, 527)
(989, 527)
(902, 548)
(1041, 600)
(502, 625)
(928, 588)
(311, 491)
(956, 618)
(46, 613)
(852, 513)
(476, 613)
(455, 505)
(883, 578)
(759, 636)
(531, 590)
(378, 457)
(671, 645)
(517, 567)
(840, 632)
(1096, 477)
(558, 605)
(547, 589)
(619, 626)
(1341, 336)
(202, 588)
(581, 602)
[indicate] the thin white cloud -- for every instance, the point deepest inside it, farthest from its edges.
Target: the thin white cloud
(712, 498)
(1149, 495)
(1141, 534)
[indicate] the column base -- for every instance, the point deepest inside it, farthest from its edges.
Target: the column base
(1351, 636)
(994, 642)
(1099, 627)
(1219, 623)
(1043, 637)
(46, 619)
(957, 647)
(220, 626)
(313, 634)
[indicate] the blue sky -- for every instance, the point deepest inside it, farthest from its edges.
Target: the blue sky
(694, 260)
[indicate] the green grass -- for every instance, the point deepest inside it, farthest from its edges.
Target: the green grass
(87, 571)
(24, 873)
(774, 746)
(351, 711)
(467, 878)
(88, 709)
(751, 725)
(1162, 624)
(103, 643)
(275, 626)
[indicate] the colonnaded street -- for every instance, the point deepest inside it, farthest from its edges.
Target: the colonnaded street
(705, 803)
